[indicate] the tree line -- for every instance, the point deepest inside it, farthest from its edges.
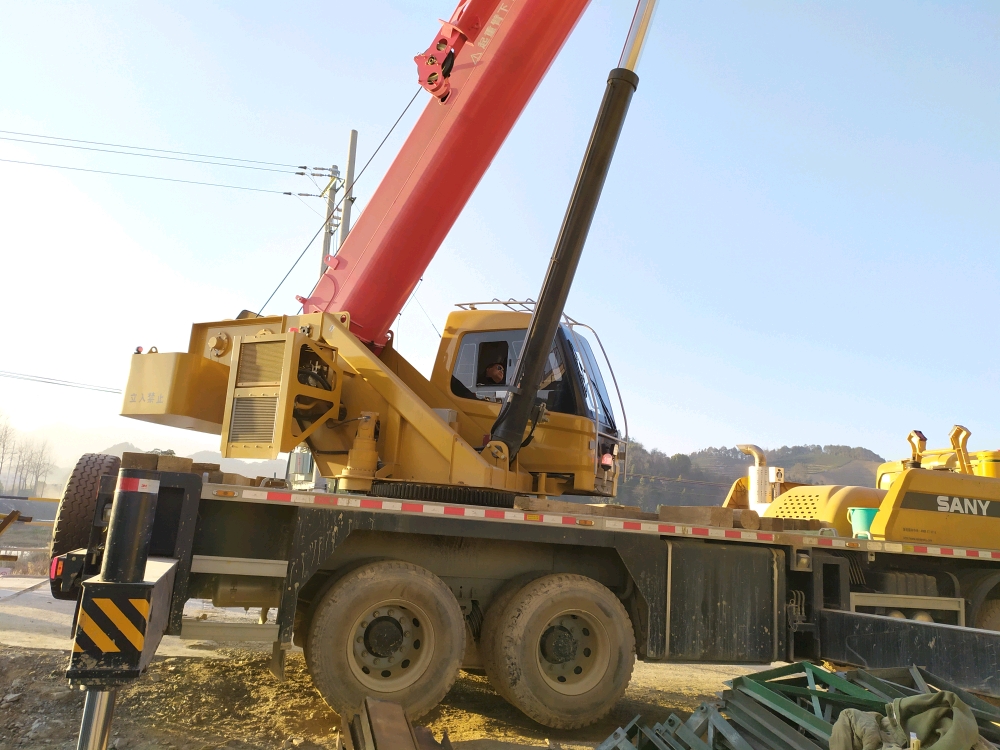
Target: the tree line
(704, 477)
(25, 463)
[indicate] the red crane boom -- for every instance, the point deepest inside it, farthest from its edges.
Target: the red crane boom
(499, 52)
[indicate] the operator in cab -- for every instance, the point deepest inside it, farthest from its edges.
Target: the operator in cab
(493, 375)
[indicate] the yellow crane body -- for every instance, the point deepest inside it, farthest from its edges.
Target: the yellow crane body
(269, 384)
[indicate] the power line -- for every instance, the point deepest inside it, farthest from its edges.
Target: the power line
(53, 381)
(144, 148)
(323, 225)
(146, 177)
(150, 156)
(425, 312)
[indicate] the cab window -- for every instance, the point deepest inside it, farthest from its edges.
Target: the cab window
(485, 364)
(477, 375)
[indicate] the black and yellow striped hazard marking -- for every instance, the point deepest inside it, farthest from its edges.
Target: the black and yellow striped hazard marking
(111, 625)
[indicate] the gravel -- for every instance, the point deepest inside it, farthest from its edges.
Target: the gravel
(185, 703)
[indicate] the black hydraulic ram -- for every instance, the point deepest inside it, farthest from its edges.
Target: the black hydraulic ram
(622, 82)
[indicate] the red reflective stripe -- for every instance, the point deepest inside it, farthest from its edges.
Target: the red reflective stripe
(281, 497)
(665, 529)
(765, 537)
(413, 508)
(450, 510)
(569, 520)
(825, 542)
(972, 553)
(374, 504)
(947, 551)
(733, 534)
(700, 532)
(995, 555)
(920, 549)
(632, 526)
(128, 484)
(495, 514)
(325, 500)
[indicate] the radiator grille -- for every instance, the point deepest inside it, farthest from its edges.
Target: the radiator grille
(253, 420)
(260, 364)
(803, 506)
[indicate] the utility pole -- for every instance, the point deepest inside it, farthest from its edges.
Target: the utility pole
(319, 482)
(331, 208)
(345, 220)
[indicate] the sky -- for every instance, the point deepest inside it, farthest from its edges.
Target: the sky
(797, 242)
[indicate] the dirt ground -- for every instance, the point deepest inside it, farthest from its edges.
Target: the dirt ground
(199, 694)
(196, 704)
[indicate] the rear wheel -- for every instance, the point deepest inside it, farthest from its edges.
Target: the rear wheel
(989, 615)
(565, 651)
(389, 630)
(75, 514)
(492, 625)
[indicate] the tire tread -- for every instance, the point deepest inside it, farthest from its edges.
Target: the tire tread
(75, 514)
(323, 673)
(989, 615)
(544, 589)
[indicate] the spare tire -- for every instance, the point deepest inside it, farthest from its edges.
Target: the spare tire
(75, 515)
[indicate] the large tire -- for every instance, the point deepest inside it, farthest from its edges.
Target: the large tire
(989, 615)
(565, 651)
(384, 611)
(492, 624)
(75, 514)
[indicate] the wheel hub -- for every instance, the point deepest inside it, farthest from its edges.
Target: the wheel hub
(558, 645)
(383, 636)
(573, 652)
(391, 645)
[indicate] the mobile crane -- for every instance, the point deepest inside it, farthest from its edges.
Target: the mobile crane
(442, 547)
(330, 377)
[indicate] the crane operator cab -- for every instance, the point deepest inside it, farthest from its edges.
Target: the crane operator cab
(476, 363)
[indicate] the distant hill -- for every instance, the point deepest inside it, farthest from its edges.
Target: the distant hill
(704, 477)
(118, 448)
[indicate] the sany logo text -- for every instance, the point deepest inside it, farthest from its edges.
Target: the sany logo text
(969, 505)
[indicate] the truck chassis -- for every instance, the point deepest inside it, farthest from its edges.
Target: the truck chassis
(691, 593)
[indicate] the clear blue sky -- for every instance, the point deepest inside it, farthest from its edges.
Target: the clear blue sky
(797, 242)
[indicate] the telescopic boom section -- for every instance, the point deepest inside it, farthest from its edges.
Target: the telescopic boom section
(499, 52)
(622, 81)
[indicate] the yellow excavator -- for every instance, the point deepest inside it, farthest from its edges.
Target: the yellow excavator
(941, 497)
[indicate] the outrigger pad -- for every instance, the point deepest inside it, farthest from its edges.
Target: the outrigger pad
(119, 626)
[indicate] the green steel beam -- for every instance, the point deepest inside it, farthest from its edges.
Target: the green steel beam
(784, 707)
(867, 704)
(835, 681)
(767, 727)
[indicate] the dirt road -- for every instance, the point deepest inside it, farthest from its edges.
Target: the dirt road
(192, 701)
